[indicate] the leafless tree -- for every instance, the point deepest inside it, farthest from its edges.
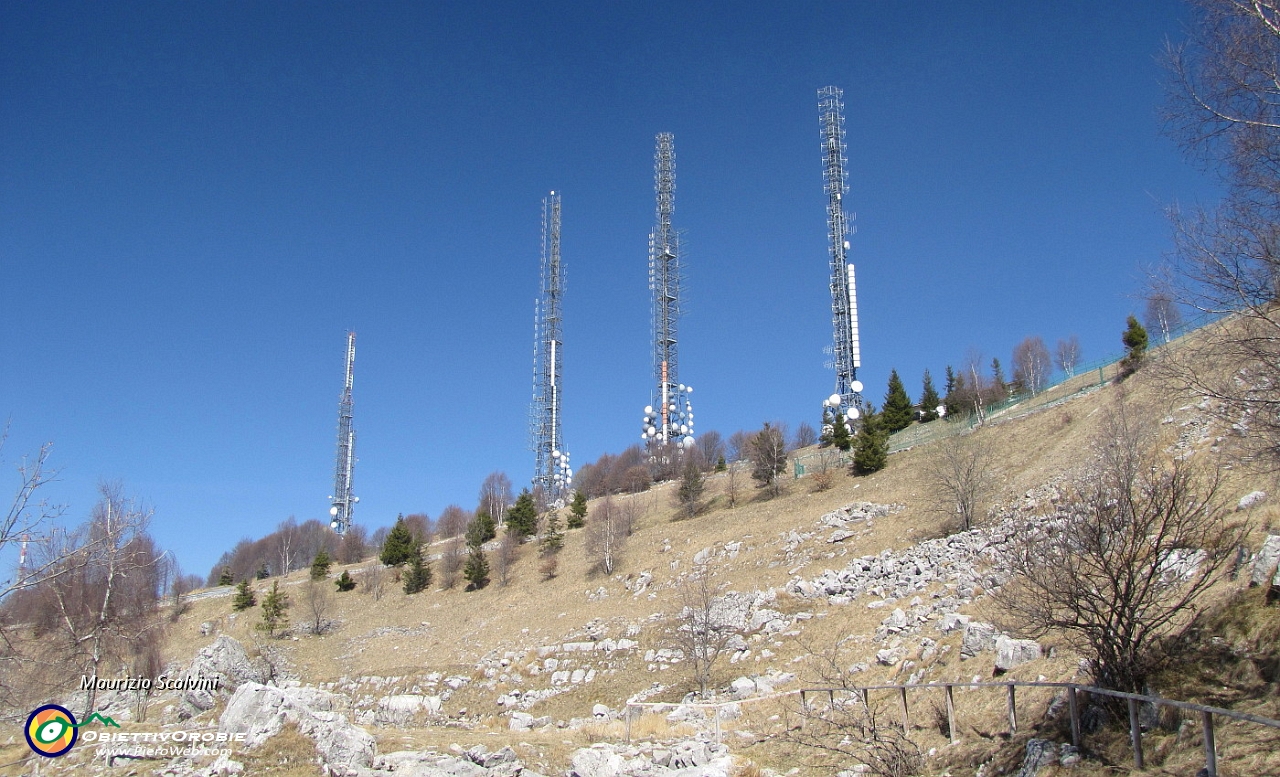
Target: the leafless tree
(768, 449)
(451, 560)
(287, 540)
(504, 558)
(841, 729)
(495, 495)
(1224, 108)
(1068, 355)
(738, 446)
(453, 521)
(711, 446)
(704, 627)
(354, 545)
(960, 470)
(28, 514)
(374, 578)
(419, 525)
(606, 536)
(823, 469)
(146, 660)
(1127, 557)
(317, 601)
(1162, 314)
(733, 484)
(806, 435)
(1031, 364)
(178, 590)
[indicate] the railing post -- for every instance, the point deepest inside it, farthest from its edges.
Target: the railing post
(1013, 711)
(1210, 754)
(628, 719)
(906, 716)
(804, 710)
(951, 716)
(1135, 733)
(1075, 716)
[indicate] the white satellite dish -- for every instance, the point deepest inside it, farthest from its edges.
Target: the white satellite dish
(648, 409)
(688, 389)
(333, 510)
(856, 386)
(854, 414)
(834, 400)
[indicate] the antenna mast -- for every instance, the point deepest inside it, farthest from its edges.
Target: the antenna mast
(342, 501)
(847, 356)
(670, 417)
(551, 462)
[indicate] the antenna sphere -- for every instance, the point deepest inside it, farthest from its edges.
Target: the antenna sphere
(856, 386)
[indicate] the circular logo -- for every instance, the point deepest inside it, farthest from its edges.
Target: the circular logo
(51, 730)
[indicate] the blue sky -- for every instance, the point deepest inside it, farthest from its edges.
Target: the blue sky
(197, 200)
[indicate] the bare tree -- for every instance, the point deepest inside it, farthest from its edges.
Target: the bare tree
(1068, 355)
(689, 492)
(288, 538)
(960, 470)
(806, 435)
(374, 578)
(451, 560)
(768, 458)
(711, 447)
(840, 729)
(737, 447)
(704, 627)
(354, 545)
(732, 484)
(317, 601)
(1127, 557)
(1162, 314)
(606, 536)
(453, 521)
(495, 495)
(823, 469)
(1031, 365)
(504, 558)
(419, 525)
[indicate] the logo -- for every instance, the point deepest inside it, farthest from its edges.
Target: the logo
(52, 730)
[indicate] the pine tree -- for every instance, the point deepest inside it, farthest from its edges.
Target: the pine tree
(485, 525)
(897, 414)
(320, 565)
(871, 449)
(951, 401)
(1135, 345)
(399, 547)
(345, 583)
(691, 487)
(263, 572)
(552, 539)
(418, 575)
(578, 510)
(243, 598)
(721, 464)
(522, 517)
(225, 577)
(840, 438)
(997, 377)
(275, 610)
(929, 399)
(476, 570)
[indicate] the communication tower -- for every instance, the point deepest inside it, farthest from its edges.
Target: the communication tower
(846, 356)
(342, 501)
(552, 470)
(670, 418)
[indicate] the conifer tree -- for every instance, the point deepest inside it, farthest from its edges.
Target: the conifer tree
(578, 510)
(345, 583)
(275, 610)
(399, 547)
(897, 414)
(485, 525)
(951, 400)
(263, 572)
(871, 448)
(721, 464)
(997, 378)
(243, 598)
(691, 488)
(418, 574)
(476, 570)
(1135, 345)
(225, 578)
(522, 517)
(552, 539)
(929, 399)
(840, 438)
(320, 565)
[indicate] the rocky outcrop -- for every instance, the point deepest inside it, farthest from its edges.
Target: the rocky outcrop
(690, 759)
(1012, 653)
(1264, 564)
(260, 711)
(226, 661)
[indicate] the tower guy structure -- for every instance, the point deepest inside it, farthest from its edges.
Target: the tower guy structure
(342, 501)
(846, 356)
(670, 418)
(552, 470)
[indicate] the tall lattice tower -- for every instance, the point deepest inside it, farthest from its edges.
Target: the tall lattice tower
(846, 357)
(551, 461)
(342, 500)
(670, 418)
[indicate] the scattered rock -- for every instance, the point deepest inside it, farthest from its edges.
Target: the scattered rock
(260, 711)
(978, 637)
(1264, 564)
(1041, 754)
(1015, 652)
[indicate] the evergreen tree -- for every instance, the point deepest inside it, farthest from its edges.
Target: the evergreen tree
(345, 583)
(840, 438)
(275, 610)
(522, 517)
(1135, 345)
(418, 575)
(243, 598)
(485, 525)
(871, 449)
(552, 538)
(476, 570)
(320, 565)
(997, 377)
(951, 402)
(263, 572)
(578, 510)
(399, 547)
(721, 464)
(225, 578)
(929, 399)
(691, 487)
(897, 414)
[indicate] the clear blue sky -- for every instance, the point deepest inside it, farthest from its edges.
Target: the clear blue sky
(197, 200)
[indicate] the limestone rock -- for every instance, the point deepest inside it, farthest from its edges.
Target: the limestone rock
(260, 711)
(1264, 565)
(977, 637)
(226, 661)
(1041, 754)
(1015, 652)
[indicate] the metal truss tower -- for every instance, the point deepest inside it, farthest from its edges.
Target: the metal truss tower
(342, 500)
(847, 357)
(670, 417)
(551, 462)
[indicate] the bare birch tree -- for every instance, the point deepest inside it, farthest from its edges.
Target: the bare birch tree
(960, 470)
(1068, 355)
(606, 536)
(1031, 364)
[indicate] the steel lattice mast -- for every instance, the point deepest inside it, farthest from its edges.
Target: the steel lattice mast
(670, 417)
(343, 503)
(844, 301)
(551, 462)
